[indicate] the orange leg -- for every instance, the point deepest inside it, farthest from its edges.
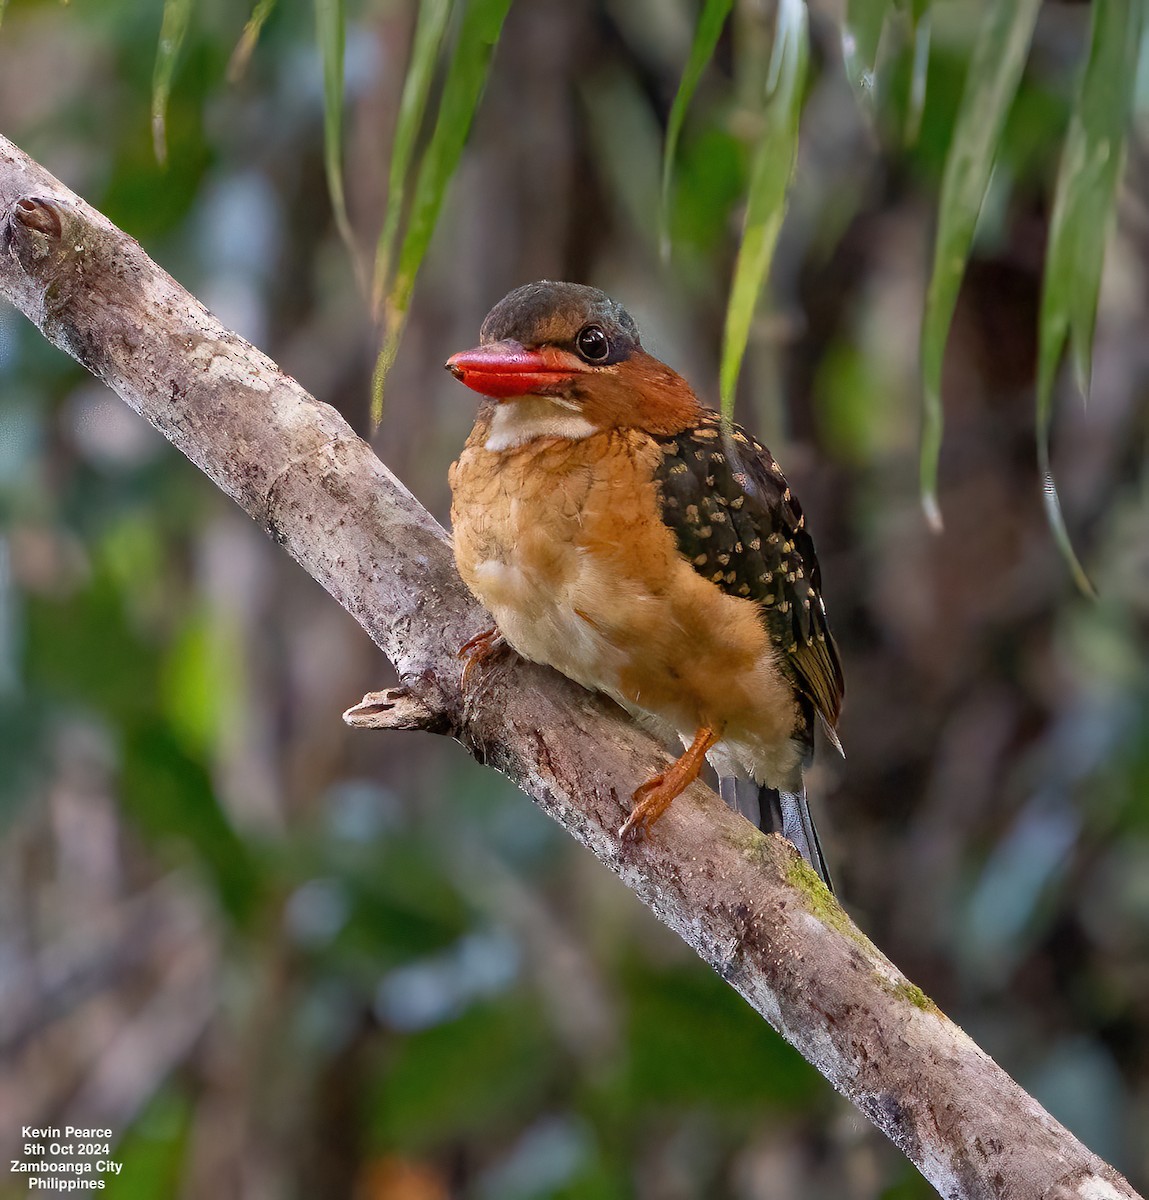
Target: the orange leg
(654, 797)
(478, 649)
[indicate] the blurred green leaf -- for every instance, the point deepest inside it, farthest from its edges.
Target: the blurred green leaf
(132, 553)
(154, 1149)
(766, 200)
(1082, 215)
(173, 29)
(910, 1186)
(402, 905)
(853, 400)
(995, 69)
(477, 1073)
(331, 28)
(598, 1180)
(479, 33)
(918, 74)
(886, 53)
(711, 22)
(87, 652)
(861, 34)
(170, 797)
(83, 649)
(241, 56)
(710, 173)
(1056, 517)
(133, 195)
(429, 30)
(740, 1065)
(202, 681)
(3, 6)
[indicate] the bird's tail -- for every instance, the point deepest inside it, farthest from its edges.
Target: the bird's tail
(787, 813)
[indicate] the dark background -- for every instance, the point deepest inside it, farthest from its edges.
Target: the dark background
(282, 958)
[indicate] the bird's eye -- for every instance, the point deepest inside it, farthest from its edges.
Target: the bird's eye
(592, 344)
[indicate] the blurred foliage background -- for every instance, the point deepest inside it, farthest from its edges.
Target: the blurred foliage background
(281, 958)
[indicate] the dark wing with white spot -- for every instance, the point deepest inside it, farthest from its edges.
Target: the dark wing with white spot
(737, 522)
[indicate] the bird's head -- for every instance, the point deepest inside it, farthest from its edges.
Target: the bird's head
(569, 349)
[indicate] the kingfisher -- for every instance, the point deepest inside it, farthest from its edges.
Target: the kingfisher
(623, 533)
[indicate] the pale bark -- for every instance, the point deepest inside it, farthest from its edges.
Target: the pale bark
(742, 900)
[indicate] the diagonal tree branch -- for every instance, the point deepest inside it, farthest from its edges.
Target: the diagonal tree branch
(743, 901)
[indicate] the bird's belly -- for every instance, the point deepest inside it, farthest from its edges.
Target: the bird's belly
(666, 656)
(671, 675)
(581, 574)
(544, 615)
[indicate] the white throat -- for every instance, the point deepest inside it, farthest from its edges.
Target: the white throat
(518, 421)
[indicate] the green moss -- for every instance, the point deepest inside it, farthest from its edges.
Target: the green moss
(752, 842)
(820, 902)
(817, 899)
(910, 992)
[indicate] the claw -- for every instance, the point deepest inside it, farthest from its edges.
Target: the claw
(477, 650)
(654, 797)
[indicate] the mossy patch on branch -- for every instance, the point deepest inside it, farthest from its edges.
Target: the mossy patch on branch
(910, 992)
(819, 902)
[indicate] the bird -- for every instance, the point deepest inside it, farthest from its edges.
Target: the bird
(623, 533)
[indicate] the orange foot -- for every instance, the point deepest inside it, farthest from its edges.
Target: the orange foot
(653, 798)
(478, 650)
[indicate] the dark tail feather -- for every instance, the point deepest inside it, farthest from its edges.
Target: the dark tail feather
(742, 796)
(797, 826)
(787, 813)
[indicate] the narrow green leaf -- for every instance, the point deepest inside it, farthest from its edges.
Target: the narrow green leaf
(241, 55)
(711, 22)
(1056, 519)
(918, 74)
(1095, 149)
(995, 69)
(769, 179)
(479, 33)
(1082, 215)
(173, 29)
(429, 30)
(3, 6)
(331, 27)
(861, 35)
